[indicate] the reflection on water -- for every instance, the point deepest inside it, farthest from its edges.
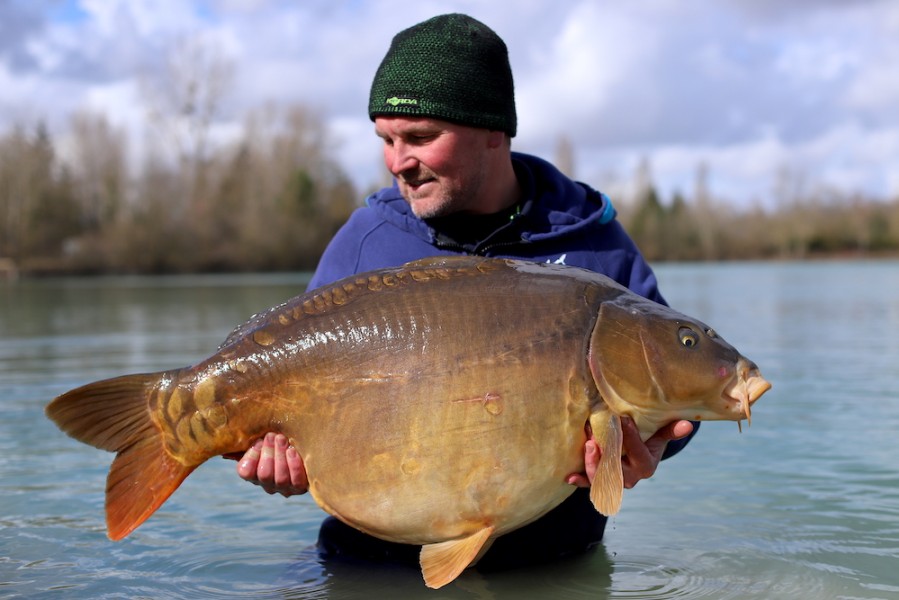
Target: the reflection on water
(805, 503)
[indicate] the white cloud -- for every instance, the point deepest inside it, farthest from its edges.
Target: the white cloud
(847, 158)
(578, 77)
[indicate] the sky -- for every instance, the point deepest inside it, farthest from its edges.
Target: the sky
(746, 89)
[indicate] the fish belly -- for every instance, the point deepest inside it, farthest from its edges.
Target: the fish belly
(449, 453)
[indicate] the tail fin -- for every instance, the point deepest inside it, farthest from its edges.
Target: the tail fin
(113, 415)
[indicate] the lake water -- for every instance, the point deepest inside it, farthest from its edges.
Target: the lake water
(802, 504)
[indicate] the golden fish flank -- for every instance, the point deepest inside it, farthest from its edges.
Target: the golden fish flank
(379, 379)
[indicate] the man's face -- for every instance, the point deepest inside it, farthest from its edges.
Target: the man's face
(440, 167)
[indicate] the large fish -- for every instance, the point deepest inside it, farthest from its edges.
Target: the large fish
(440, 403)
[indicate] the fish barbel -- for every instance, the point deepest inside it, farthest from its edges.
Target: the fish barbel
(441, 403)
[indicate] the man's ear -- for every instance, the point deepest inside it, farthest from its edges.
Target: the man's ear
(496, 139)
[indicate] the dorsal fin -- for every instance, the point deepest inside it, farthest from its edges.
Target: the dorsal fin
(256, 321)
(441, 563)
(451, 261)
(608, 484)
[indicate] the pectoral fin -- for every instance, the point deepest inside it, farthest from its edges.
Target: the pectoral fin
(441, 563)
(608, 485)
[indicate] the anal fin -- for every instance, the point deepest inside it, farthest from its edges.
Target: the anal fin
(442, 562)
(141, 478)
(608, 484)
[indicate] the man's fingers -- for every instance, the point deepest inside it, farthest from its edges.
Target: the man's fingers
(632, 445)
(265, 471)
(578, 480)
(681, 429)
(670, 432)
(640, 460)
(297, 469)
(246, 467)
(280, 472)
(275, 466)
(591, 463)
(290, 473)
(673, 431)
(591, 459)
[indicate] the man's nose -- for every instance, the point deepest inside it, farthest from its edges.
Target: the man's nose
(399, 158)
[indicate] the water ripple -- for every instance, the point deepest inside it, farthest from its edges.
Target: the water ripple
(712, 576)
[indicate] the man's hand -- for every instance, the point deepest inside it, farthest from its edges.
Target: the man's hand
(640, 460)
(273, 465)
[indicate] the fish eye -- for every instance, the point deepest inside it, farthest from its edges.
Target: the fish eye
(688, 337)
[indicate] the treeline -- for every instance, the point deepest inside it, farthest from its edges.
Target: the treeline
(269, 199)
(272, 199)
(798, 221)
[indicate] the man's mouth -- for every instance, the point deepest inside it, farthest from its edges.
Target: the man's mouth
(417, 184)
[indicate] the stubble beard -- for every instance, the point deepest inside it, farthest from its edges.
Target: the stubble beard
(442, 200)
(429, 206)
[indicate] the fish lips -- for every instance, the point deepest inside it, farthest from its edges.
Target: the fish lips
(745, 387)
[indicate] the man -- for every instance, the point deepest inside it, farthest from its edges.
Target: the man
(442, 102)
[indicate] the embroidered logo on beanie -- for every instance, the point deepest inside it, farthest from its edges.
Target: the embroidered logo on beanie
(405, 101)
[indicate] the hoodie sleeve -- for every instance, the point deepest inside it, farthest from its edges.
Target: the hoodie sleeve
(341, 257)
(369, 241)
(643, 280)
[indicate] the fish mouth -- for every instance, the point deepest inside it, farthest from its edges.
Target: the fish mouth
(745, 388)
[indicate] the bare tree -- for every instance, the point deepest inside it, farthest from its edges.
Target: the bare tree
(184, 98)
(26, 164)
(795, 227)
(705, 215)
(98, 167)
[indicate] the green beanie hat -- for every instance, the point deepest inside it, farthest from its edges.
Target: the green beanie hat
(451, 67)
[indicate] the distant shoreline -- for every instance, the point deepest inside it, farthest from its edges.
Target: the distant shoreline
(45, 268)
